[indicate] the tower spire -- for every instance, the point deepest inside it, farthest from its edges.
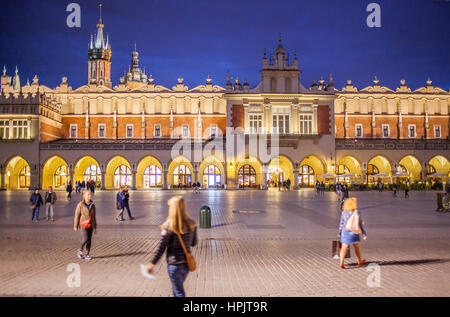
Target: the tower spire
(100, 5)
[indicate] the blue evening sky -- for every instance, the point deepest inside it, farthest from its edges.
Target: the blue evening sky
(196, 38)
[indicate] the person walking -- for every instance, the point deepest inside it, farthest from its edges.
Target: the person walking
(82, 186)
(69, 190)
(350, 227)
(288, 184)
(322, 188)
(317, 187)
(120, 204)
(178, 227)
(394, 189)
(49, 201)
(36, 203)
(126, 202)
(406, 190)
(85, 219)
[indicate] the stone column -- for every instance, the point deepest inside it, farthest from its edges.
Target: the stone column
(70, 172)
(246, 124)
(295, 118)
(133, 181)
(102, 169)
(314, 123)
(2, 177)
(165, 172)
(35, 176)
(225, 175)
(296, 176)
(264, 169)
(196, 172)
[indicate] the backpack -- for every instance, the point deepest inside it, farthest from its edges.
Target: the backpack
(353, 223)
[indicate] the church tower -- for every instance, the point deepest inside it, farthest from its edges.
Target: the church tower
(99, 58)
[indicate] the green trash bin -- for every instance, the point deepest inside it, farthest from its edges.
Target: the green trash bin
(205, 217)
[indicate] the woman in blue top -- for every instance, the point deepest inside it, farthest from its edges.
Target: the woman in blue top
(349, 237)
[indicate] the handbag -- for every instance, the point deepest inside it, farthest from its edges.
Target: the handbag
(189, 257)
(353, 224)
(86, 224)
(336, 250)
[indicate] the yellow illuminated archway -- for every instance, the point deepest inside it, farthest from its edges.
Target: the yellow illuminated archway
(18, 174)
(118, 167)
(413, 167)
(180, 172)
(311, 169)
(441, 165)
(280, 169)
(211, 172)
(378, 168)
(242, 167)
(55, 173)
(149, 173)
(354, 168)
(87, 168)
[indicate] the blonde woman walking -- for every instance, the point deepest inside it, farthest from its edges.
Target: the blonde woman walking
(178, 225)
(351, 225)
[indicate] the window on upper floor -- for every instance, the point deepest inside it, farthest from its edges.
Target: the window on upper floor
(157, 132)
(73, 131)
(281, 123)
(306, 121)
(358, 130)
(437, 131)
(386, 132)
(185, 130)
(255, 123)
(4, 129)
(101, 130)
(129, 130)
(412, 130)
(20, 129)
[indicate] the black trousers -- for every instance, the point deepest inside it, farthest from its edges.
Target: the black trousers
(86, 237)
(127, 207)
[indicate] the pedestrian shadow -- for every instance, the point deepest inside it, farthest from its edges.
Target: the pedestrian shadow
(412, 262)
(120, 255)
(224, 224)
(405, 262)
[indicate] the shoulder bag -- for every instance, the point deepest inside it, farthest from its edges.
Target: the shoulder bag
(189, 257)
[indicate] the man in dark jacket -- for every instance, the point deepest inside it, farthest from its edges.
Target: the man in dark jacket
(36, 203)
(126, 202)
(69, 189)
(49, 201)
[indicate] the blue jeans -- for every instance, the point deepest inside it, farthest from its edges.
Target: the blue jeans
(35, 211)
(178, 274)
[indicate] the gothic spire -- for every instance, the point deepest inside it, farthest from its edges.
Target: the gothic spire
(99, 41)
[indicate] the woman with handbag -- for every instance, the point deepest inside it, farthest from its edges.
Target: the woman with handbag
(179, 233)
(351, 225)
(86, 220)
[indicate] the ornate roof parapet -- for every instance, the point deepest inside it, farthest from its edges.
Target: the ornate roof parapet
(180, 86)
(431, 89)
(403, 87)
(349, 87)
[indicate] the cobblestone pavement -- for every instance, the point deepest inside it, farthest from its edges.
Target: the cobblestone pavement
(281, 249)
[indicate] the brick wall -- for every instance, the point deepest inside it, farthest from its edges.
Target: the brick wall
(237, 116)
(323, 120)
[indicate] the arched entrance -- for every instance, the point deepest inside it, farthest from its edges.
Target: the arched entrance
(118, 173)
(408, 168)
(280, 170)
(18, 174)
(378, 168)
(248, 172)
(149, 173)
(311, 169)
(55, 173)
(86, 169)
(348, 170)
(180, 173)
(211, 173)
